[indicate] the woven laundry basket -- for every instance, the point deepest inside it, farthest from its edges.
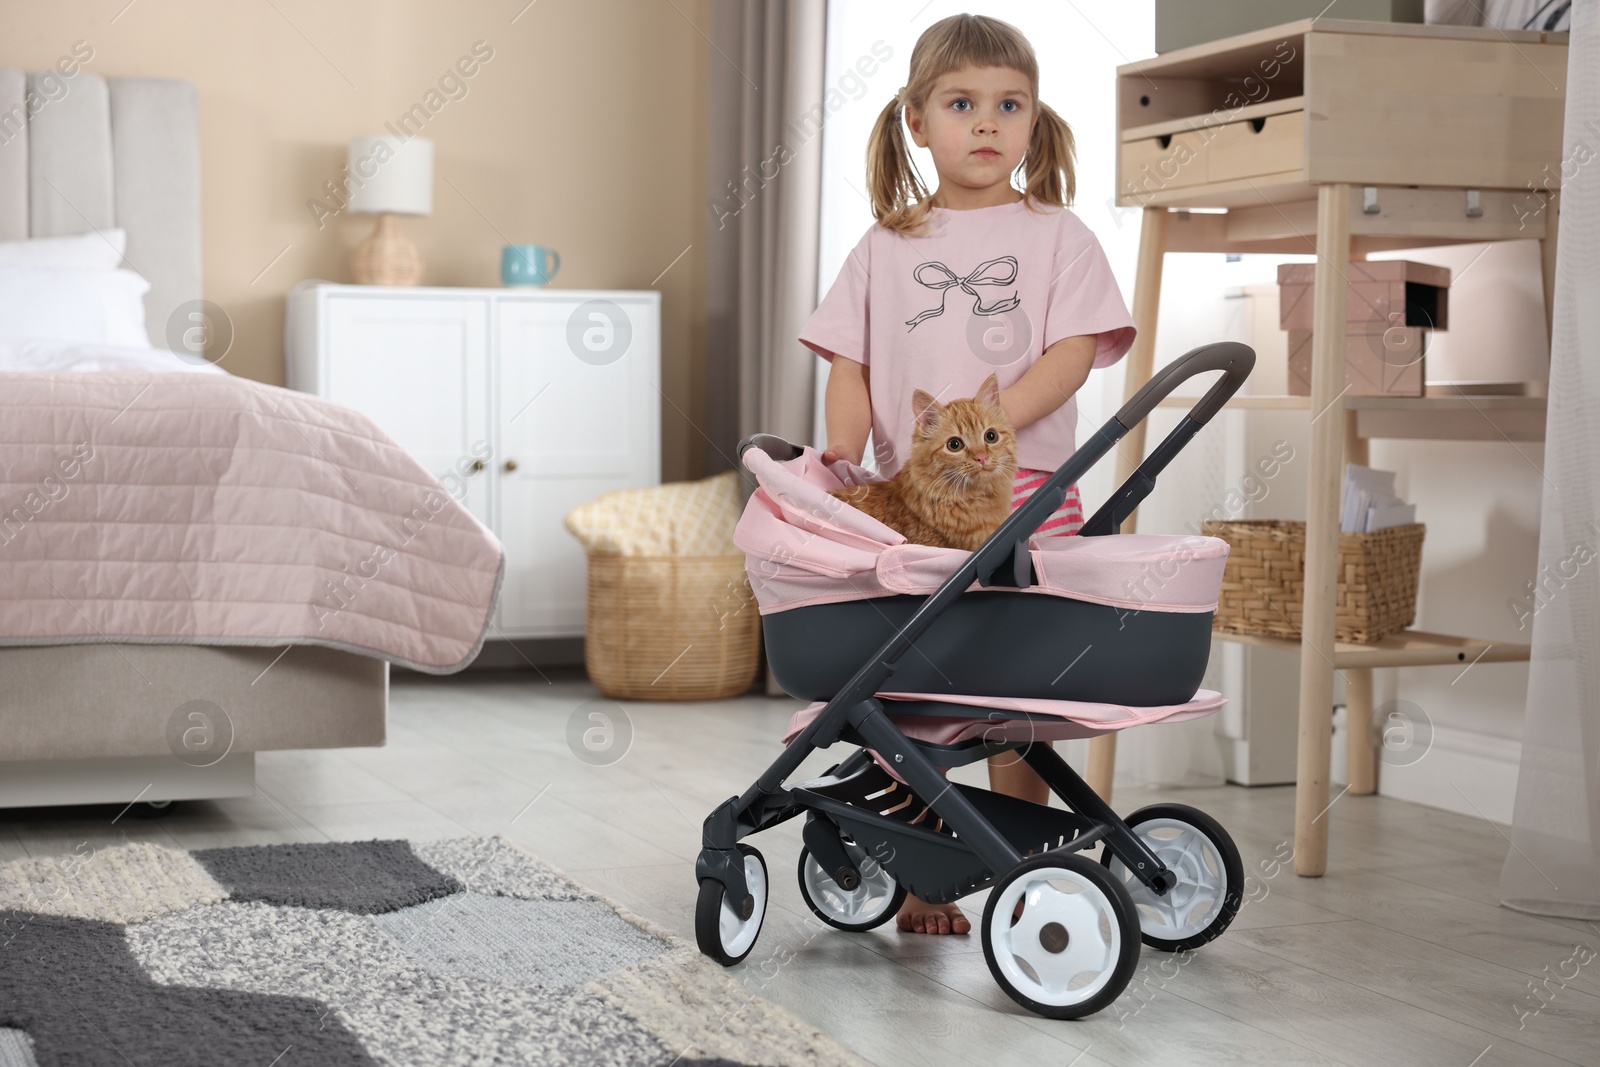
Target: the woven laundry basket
(1263, 585)
(670, 611)
(671, 627)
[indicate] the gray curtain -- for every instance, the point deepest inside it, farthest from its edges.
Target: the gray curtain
(763, 210)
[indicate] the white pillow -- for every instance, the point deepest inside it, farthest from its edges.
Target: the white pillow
(86, 306)
(41, 356)
(89, 251)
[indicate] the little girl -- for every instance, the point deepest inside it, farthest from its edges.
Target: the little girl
(976, 279)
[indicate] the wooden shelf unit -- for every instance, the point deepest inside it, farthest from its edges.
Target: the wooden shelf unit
(1338, 139)
(1416, 418)
(1268, 116)
(1408, 648)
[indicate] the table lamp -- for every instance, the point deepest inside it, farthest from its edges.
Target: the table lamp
(389, 177)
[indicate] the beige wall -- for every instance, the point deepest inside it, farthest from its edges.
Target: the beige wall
(585, 131)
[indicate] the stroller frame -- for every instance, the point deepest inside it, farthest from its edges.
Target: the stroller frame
(991, 831)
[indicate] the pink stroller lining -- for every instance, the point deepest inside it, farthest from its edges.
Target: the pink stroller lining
(1067, 719)
(804, 547)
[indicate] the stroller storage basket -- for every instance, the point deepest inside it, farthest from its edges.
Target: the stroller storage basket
(925, 658)
(901, 831)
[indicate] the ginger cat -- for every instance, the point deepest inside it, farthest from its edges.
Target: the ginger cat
(956, 486)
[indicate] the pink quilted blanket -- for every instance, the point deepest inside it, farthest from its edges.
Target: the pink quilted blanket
(207, 509)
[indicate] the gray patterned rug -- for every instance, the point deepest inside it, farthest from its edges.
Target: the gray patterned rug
(379, 952)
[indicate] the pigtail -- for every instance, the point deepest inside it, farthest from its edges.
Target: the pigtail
(1050, 165)
(899, 199)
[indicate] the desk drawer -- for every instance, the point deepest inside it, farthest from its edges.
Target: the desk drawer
(1253, 148)
(1173, 161)
(1273, 144)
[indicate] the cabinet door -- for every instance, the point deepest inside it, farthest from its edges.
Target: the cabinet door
(418, 367)
(578, 414)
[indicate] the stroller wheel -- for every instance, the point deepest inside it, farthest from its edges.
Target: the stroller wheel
(1075, 943)
(876, 897)
(1210, 888)
(726, 930)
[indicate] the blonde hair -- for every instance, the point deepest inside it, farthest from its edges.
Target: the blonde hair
(899, 199)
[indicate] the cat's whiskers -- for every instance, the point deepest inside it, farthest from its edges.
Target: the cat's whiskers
(958, 479)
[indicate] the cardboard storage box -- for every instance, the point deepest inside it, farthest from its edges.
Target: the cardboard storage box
(1377, 362)
(1383, 293)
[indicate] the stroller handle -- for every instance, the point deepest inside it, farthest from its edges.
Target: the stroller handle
(1234, 359)
(772, 445)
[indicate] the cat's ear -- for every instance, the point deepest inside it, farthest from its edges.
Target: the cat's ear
(989, 392)
(925, 410)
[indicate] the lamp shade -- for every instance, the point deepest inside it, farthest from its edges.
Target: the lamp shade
(391, 175)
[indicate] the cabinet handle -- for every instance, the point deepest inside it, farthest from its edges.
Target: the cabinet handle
(477, 464)
(511, 464)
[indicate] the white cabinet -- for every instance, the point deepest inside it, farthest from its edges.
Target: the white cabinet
(418, 369)
(548, 397)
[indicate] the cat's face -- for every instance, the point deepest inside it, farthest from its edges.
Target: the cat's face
(964, 442)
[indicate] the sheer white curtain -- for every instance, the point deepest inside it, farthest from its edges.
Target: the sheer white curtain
(1553, 867)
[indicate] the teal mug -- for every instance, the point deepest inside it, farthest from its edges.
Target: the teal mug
(528, 264)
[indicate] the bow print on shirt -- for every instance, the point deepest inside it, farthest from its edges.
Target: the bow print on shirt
(1005, 274)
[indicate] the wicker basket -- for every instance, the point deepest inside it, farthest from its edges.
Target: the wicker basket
(671, 627)
(1263, 585)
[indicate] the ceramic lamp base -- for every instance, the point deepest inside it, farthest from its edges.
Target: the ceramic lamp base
(388, 257)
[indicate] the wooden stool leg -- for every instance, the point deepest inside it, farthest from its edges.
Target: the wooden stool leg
(1315, 748)
(1361, 757)
(1136, 372)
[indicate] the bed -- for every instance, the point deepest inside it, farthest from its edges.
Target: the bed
(200, 589)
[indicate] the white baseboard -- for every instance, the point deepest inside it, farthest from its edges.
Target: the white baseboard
(1462, 771)
(51, 783)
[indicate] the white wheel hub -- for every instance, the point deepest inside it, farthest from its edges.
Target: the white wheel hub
(1202, 880)
(865, 902)
(1064, 947)
(738, 931)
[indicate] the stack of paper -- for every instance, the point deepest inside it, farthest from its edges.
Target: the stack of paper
(1370, 503)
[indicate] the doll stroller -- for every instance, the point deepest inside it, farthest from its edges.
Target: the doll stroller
(927, 658)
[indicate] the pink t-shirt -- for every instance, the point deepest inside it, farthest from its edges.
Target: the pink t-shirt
(986, 291)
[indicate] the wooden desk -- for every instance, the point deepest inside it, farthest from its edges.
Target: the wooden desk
(1341, 138)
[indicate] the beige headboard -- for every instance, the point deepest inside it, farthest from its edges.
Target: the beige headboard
(85, 153)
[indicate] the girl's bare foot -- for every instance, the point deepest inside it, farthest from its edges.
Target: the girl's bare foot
(920, 917)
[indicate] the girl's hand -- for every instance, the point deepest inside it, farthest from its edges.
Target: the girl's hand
(830, 455)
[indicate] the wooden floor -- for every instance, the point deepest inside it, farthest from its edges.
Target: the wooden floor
(1400, 955)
